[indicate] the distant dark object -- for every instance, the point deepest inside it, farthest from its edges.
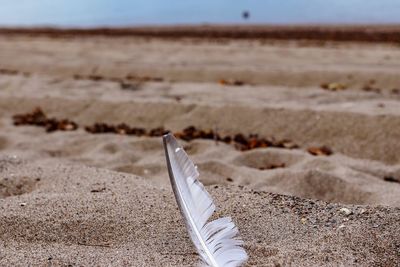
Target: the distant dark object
(245, 14)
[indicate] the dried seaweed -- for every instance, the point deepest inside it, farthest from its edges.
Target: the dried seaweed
(320, 151)
(240, 141)
(38, 118)
(232, 83)
(333, 86)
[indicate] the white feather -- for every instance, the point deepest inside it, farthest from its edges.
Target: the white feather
(216, 241)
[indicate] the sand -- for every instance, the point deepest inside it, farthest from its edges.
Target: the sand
(81, 199)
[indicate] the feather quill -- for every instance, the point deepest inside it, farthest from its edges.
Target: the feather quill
(216, 241)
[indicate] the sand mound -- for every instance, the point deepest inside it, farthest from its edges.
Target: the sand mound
(295, 172)
(77, 215)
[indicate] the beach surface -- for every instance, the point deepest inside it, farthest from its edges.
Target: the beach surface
(75, 198)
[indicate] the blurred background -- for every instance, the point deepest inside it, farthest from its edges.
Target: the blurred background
(91, 13)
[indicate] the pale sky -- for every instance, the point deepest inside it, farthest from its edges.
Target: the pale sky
(146, 12)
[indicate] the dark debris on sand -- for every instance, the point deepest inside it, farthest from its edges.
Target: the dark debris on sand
(231, 83)
(95, 78)
(124, 129)
(38, 118)
(320, 151)
(241, 142)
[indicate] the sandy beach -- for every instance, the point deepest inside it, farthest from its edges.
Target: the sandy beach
(74, 198)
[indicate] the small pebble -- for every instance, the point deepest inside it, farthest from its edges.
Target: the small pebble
(345, 211)
(23, 204)
(341, 226)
